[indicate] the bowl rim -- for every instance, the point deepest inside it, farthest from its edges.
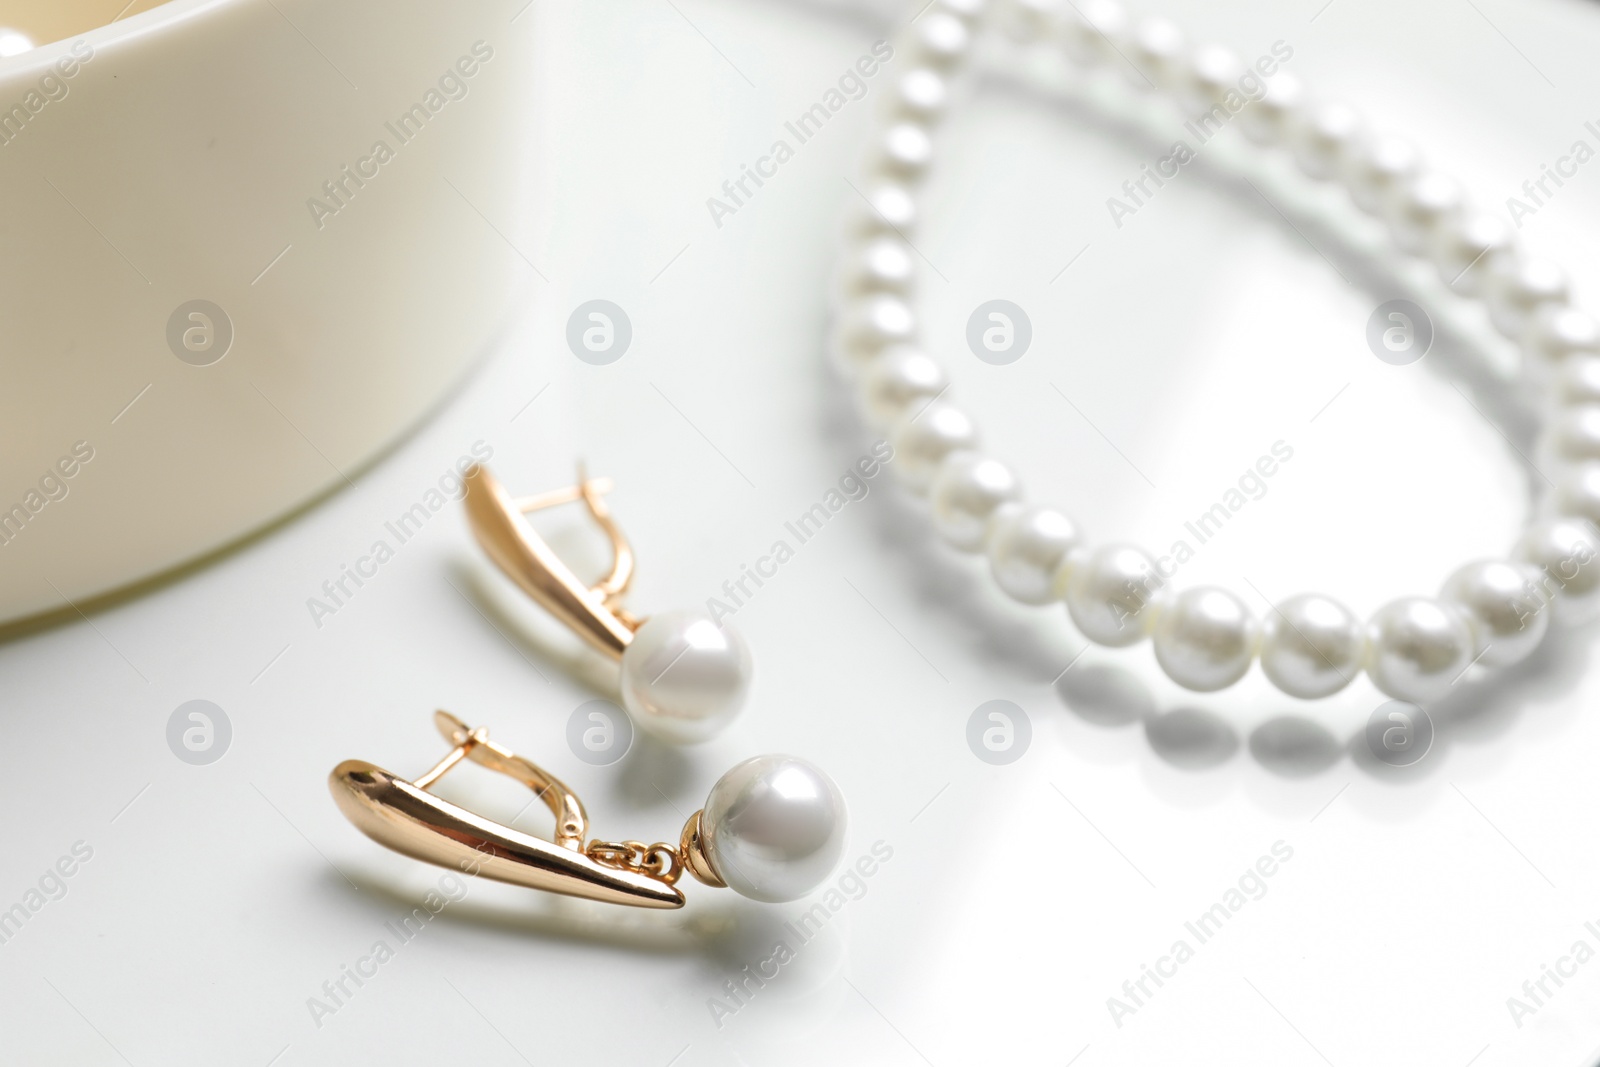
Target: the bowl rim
(118, 32)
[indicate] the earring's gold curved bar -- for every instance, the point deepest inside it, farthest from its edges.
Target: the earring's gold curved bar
(496, 521)
(414, 822)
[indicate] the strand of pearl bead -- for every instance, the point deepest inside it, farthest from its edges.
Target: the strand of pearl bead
(1489, 612)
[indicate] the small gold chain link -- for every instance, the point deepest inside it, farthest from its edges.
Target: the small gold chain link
(660, 861)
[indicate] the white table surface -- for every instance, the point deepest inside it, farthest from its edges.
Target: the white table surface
(1018, 899)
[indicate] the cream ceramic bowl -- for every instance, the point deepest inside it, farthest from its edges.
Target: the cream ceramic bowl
(246, 245)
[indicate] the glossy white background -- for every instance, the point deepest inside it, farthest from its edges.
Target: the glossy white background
(1018, 898)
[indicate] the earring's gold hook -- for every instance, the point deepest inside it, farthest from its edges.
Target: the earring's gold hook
(595, 612)
(407, 817)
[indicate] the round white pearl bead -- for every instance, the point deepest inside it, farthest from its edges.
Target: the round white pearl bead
(1111, 595)
(1422, 208)
(1517, 291)
(1572, 435)
(900, 380)
(1577, 492)
(1096, 33)
(1467, 253)
(1272, 120)
(1029, 552)
(1205, 639)
(1033, 20)
(969, 11)
(1419, 647)
(684, 677)
(1558, 332)
(925, 437)
(966, 492)
(1324, 137)
(882, 264)
(941, 40)
(1376, 167)
(1576, 381)
(890, 209)
(773, 828)
(906, 152)
(923, 95)
(870, 325)
(1502, 604)
(1565, 551)
(1212, 76)
(1312, 646)
(1159, 54)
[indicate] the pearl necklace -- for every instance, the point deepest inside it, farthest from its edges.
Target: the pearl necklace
(1489, 612)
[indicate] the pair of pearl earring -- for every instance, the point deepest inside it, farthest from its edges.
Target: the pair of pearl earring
(772, 828)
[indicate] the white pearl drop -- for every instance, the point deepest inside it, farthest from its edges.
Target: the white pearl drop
(1419, 648)
(774, 828)
(1112, 595)
(870, 325)
(1324, 138)
(1205, 639)
(925, 437)
(1558, 332)
(684, 676)
(1564, 550)
(1517, 291)
(1029, 552)
(1421, 208)
(1272, 120)
(1502, 604)
(922, 95)
(906, 152)
(1159, 54)
(882, 264)
(1096, 32)
(941, 40)
(1312, 646)
(966, 492)
(890, 209)
(1468, 252)
(1376, 167)
(899, 380)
